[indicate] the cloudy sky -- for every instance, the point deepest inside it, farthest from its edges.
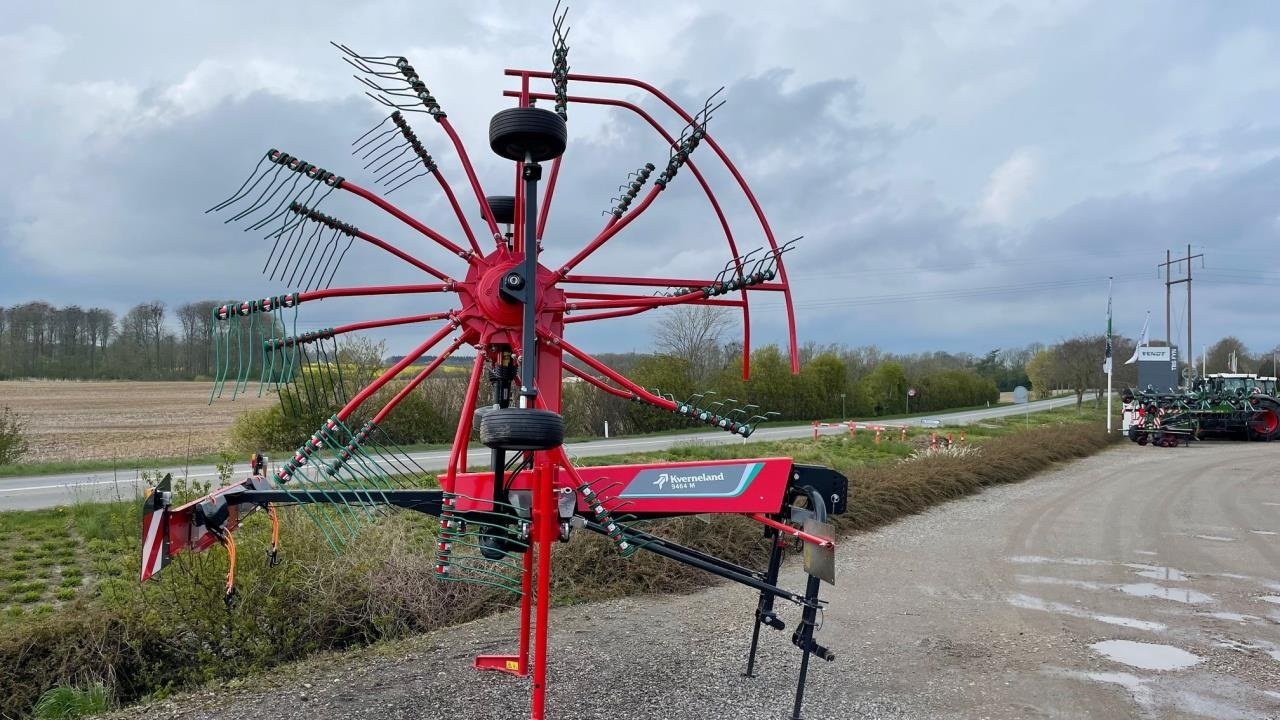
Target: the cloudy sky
(966, 175)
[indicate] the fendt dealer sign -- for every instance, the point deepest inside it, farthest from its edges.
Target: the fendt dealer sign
(1158, 368)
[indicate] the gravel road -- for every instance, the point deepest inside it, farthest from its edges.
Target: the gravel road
(1139, 583)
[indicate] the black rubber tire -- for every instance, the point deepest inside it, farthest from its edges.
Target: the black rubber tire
(522, 429)
(1265, 425)
(1142, 439)
(497, 544)
(503, 208)
(528, 132)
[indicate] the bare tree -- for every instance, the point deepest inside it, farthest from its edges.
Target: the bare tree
(696, 333)
(1078, 364)
(1220, 353)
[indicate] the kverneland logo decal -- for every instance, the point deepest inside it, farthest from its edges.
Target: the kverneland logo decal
(723, 480)
(685, 482)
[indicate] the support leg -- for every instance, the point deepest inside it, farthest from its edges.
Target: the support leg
(803, 639)
(546, 522)
(764, 608)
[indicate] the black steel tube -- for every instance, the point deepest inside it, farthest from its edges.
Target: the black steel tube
(764, 608)
(528, 337)
(424, 501)
(633, 534)
(666, 550)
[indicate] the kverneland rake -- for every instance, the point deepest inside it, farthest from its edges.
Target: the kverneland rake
(497, 527)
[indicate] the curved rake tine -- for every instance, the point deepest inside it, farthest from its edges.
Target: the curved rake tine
(369, 132)
(267, 201)
(363, 67)
(268, 189)
(396, 152)
(293, 251)
(278, 212)
(375, 59)
(318, 271)
(390, 138)
(383, 179)
(237, 194)
(303, 264)
(338, 264)
(406, 182)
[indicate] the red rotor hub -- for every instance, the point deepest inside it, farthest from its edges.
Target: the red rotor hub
(487, 317)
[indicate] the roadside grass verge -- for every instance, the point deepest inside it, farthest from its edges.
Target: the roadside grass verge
(132, 467)
(145, 641)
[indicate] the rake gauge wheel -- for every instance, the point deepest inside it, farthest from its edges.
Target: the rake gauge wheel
(528, 133)
(521, 429)
(503, 208)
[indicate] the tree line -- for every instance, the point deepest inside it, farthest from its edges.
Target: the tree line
(39, 340)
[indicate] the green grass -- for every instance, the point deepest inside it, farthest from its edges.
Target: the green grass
(69, 703)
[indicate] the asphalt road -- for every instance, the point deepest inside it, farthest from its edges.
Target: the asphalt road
(31, 493)
(1139, 583)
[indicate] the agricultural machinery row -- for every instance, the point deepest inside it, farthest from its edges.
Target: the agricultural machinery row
(1232, 406)
(498, 527)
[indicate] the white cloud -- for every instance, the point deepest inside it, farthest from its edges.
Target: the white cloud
(1008, 186)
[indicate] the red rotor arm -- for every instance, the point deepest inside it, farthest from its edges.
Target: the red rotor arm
(733, 169)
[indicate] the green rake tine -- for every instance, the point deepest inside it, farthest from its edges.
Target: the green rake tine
(501, 586)
(337, 449)
(261, 358)
(235, 384)
(501, 563)
(342, 385)
(214, 338)
(317, 489)
(309, 512)
(352, 472)
(398, 452)
(466, 563)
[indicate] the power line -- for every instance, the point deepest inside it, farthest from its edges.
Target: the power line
(953, 293)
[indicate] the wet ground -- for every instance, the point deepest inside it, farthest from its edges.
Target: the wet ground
(1143, 582)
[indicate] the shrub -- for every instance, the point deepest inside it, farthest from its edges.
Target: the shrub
(13, 440)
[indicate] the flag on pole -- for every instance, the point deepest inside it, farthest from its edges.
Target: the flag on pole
(1142, 340)
(1106, 358)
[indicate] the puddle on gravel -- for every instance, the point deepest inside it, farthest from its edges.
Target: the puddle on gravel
(1136, 686)
(1029, 602)
(1151, 590)
(1263, 532)
(1047, 580)
(1274, 599)
(1158, 572)
(1150, 553)
(1231, 617)
(1041, 560)
(1147, 656)
(1216, 538)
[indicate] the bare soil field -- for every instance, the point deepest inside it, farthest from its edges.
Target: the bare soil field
(71, 420)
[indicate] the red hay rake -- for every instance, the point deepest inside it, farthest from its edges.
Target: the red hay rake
(496, 527)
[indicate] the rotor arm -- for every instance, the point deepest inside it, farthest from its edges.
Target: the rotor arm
(407, 219)
(793, 345)
(417, 380)
(394, 370)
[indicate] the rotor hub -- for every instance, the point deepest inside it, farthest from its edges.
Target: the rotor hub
(489, 315)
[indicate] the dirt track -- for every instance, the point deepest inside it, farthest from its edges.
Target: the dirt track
(1004, 605)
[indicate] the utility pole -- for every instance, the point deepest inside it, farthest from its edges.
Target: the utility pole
(1169, 282)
